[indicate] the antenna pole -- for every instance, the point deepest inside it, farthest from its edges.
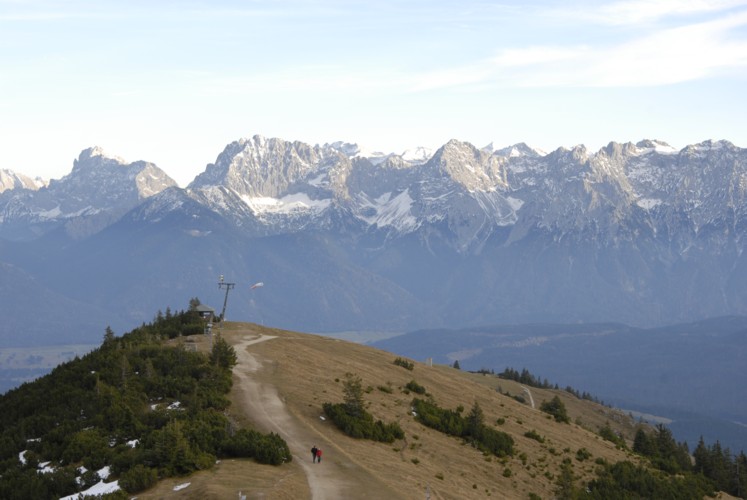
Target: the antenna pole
(221, 285)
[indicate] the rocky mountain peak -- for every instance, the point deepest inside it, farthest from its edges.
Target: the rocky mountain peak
(468, 166)
(95, 157)
(104, 176)
(652, 144)
(616, 150)
(346, 148)
(259, 167)
(518, 150)
(97, 191)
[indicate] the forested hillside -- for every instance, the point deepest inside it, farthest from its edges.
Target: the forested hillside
(141, 407)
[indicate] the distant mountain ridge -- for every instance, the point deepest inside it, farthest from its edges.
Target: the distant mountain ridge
(642, 234)
(98, 191)
(622, 188)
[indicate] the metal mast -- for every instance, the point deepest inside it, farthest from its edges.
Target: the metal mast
(221, 285)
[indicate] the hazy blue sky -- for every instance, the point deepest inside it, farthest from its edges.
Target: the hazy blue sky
(173, 82)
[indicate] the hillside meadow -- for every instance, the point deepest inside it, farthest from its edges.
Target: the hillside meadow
(309, 370)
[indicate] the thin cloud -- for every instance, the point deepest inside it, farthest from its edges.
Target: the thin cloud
(674, 55)
(314, 79)
(42, 11)
(663, 57)
(448, 78)
(634, 12)
(530, 56)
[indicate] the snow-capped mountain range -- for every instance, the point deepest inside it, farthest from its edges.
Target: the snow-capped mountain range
(641, 233)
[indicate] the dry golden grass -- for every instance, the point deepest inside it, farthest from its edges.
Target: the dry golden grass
(308, 370)
(229, 477)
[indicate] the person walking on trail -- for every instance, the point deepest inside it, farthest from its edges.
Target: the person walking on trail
(319, 455)
(314, 451)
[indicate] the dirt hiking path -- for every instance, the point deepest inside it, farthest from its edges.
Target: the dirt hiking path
(337, 477)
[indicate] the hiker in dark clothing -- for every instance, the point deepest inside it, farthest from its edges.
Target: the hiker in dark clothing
(314, 451)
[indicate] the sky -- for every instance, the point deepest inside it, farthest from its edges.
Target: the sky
(173, 82)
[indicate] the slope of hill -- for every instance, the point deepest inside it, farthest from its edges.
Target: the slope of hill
(281, 381)
(296, 373)
(694, 368)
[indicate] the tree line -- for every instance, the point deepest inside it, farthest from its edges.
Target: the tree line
(679, 476)
(727, 472)
(526, 378)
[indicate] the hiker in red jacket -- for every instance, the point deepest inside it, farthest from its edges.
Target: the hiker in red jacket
(318, 454)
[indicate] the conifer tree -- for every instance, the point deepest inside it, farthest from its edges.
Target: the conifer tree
(223, 354)
(108, 336)
(475, 422)
(352, 389)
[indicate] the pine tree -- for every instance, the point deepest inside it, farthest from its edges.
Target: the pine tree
(109, 336)
(193, 303)
(352, 389)
(643, 444)
(223, 354)
(475, 420)
(702, 458)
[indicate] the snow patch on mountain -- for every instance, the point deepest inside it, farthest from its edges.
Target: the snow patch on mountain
(196, 233)
(320, 180)
(417, 155)
(648, 203)
(514, 151)
(514, 203)
(660, 147)
(297, 202)
(388, 211)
